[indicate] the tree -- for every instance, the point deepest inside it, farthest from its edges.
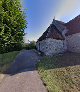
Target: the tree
(12, 25)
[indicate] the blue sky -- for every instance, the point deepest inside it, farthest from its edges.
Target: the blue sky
(40, 14)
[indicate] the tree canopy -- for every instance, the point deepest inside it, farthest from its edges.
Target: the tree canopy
(12, 25)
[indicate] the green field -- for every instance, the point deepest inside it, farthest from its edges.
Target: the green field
(6, 59)
(61, 73)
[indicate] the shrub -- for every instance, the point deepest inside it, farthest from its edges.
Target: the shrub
(31, 45)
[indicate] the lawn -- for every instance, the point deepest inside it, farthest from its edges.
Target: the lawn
(6, 59)
(61, 73)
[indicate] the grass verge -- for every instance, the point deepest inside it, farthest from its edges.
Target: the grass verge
(6, 60)
(61, 73)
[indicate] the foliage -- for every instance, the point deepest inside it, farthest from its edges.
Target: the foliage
(12, 25)
(31, 45)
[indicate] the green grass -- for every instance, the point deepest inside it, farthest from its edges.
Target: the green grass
(61, 73)
(6, 59)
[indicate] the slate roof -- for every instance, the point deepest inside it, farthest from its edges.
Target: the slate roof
(54, 31)
(73, 26)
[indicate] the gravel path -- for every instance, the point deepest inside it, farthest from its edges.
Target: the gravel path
(23, 76)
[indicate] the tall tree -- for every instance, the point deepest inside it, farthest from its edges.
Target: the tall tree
(12, 25)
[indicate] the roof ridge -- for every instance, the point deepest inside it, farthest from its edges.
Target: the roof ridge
(59, 26)
(74, 18)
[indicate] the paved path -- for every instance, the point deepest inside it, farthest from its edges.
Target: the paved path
(23, 76)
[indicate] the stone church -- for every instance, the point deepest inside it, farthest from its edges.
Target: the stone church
(60, 37)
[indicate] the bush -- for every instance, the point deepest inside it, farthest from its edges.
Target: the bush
(11, 47)
(31, 45)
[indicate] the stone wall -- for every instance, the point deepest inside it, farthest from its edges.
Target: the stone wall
(51, 46)
(73, 42)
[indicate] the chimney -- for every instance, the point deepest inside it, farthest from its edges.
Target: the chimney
(54, 17)
(53, 20)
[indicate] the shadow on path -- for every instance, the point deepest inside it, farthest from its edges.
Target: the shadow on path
(25, 61)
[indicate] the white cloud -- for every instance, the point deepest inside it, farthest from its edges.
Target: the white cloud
(66, 8)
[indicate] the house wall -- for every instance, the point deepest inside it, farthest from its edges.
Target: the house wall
(64, 32)
(51, 46)
(73, 42)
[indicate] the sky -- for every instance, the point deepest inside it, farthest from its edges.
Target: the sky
(40, 14)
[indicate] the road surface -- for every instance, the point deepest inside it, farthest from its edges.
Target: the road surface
(22, 75)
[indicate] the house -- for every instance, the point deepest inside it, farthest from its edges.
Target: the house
(53, 39)
(73, 35)
(60, 37)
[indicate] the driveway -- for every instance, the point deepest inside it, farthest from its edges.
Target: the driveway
(22, 76)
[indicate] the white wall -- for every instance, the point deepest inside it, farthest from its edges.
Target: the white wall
(52, 46)
(73, 42)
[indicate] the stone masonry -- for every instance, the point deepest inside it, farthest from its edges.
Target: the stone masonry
(52, 46)
(73, 42)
